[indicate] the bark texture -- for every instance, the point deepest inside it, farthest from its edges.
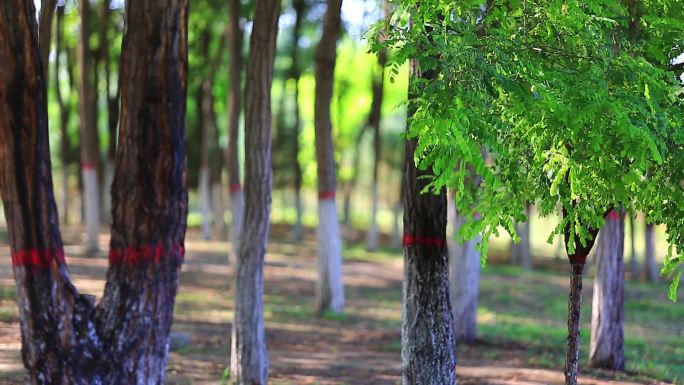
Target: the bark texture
(329, 250)
(66, 339)
(234, 110)
(251, 361)
(574, 312)
(90, 145)
(464, 269)
(652, 270)
(607, 316)
(428, 347)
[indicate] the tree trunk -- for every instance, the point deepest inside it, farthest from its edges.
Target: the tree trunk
(90, 145)
(634, 265)
(47, 12)
(63, 119)
(607, 315)
(652, 271)
(330, 289)
(295, 73)
(250, 360)
(522, 254)
(66, 339)
(112, 102)
(465, 280)
(234, 108)
(374, 122)
(428, 347)
(398, 208)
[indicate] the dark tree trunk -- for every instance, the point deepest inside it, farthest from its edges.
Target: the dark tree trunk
(607, 316)
(374, 123)
(652, 271)
(428, 347)
(250, 361)
(90, 145)
(47, 12)
(330, 289)
(577, 259)
(66, 339)
(234, 109)
(63, 118)
(295, 73)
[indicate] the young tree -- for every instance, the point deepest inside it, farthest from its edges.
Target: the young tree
(607, 314)
(90, 145)
(66, 338)
(250, 362)
(428, 348)
(651, 266)
(374, 123)
(521, 252)
(530, 98)
(329, 289)
(295, 74)
(64, 113)
(203, 100)
(234, 109)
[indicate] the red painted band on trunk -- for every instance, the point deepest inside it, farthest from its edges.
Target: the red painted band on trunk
(37, 258)
(410, 240)
(614, 214)
(235, 187)
(323, 195)
(577, 258)
(137, 254)
(88, 166)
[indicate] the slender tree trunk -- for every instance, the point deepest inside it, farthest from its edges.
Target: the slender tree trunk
(465, 280)
(234, 109)
(634, 265)
(295, 73)
(398, 208)
(251, 361)
(47, 12)
(63, 119)
(374, 123)
(112, 102)
(66, 339)
(652, 271)
(330, 289)
(577, 259)
(521, 252)
(428, 347)
(90, 146)
(607, 315)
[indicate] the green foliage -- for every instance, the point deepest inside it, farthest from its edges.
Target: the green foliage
(570, 105)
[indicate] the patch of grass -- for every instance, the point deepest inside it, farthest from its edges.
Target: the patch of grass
(8, 293)
(7, 314)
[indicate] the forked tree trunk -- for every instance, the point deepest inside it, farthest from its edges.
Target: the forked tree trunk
(66, 339)
(295, 73)
(330, 289)
(464, 261)
(250, 362)
(428, 347)
(607, 315)
(652, 271)
(374, 122)
(90, 145)
(234, 109)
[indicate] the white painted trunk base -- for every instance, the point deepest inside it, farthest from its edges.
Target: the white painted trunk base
(91, 209)
(205, 202)
(237, 210)
(217, 207)
(372, 235)
(329, 288)
(464, 275)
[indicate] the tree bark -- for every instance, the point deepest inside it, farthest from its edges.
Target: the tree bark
(250, 360)
(66, 339)
(90, 145)
(652, 271)
(465, 280)
(428, 347)
(295, 73)
(330, 289)
(234, 109)
(607, 316)
(374, 122)
(47, 12)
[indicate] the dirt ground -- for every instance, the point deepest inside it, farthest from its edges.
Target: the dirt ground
(361, 347)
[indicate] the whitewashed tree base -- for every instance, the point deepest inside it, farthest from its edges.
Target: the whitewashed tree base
(329, 288)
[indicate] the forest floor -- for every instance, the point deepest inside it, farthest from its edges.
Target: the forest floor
(521, 321)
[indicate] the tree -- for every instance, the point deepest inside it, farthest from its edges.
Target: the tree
(234, 109)
(521, 252)
(651, 267)
(374, 123)
(607, 315)
(250, 362)
(203, 100)
(529, 97)
(47, 12)
(90, 144)
(64, 114)
(66, 338)
(329, 289)
(428, 347)
(295, 74)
